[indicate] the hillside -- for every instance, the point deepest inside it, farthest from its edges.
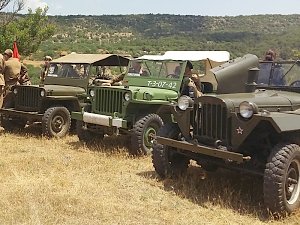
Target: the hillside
(61, 181)
(154, 33)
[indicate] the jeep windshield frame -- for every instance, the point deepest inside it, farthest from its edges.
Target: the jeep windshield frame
(283, 75)
(78, 69)
(167, 71)
(156, 74)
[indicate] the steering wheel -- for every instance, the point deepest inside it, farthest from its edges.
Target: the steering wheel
(172, 75)
(295, 83)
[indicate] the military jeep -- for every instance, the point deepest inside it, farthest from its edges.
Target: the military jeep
(63, 91)
(251, 124)
(138, 106)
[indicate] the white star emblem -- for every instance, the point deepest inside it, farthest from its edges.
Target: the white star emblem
(239, 130)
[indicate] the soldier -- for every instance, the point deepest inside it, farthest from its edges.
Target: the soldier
(2, 82)
(191, 83)
(24, 78)
(11, 72)
(45, 68)
(12, 68)
(270, 55)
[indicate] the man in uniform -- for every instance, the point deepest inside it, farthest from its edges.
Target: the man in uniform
(191, 84)
(45, 68)
(11, 72)
(2, 82)
(12, 68)
(24, 78)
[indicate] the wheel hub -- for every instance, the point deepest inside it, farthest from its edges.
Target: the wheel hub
(57, 123)
(292, 186)
(149, 136)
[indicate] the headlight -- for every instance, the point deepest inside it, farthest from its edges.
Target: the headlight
(184, 102)
(42, 93)
(15, 91)
(127, 96)
(92, 93)
(247, 109)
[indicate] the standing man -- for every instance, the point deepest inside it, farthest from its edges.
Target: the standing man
(11, 72)
(45, 68)
(2, 82)
(12, 68)
(191, 83)
(24, 78)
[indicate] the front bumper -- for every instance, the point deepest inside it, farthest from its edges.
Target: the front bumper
(28, 115)
(99, 119)
(202, 149)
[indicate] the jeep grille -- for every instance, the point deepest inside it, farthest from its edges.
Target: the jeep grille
(109, 101)
(211, 122)
(27, 98)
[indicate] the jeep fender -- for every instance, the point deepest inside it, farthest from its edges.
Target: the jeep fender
(72, 103)
(280, 121)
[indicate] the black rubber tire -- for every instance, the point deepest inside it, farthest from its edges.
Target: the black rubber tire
(167, 162)
(281, 179)
(143, 133)
(85, 135)
(56, 122)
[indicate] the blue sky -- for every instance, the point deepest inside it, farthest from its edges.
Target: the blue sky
(183, 7)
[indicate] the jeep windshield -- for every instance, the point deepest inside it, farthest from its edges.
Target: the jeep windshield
(65, 70)
(280, 74)
(80, 69)
(156, 73)
(167, 71)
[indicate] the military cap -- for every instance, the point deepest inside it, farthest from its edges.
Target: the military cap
(48, 58)
(8, 52)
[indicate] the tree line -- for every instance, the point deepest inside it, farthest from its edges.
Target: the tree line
(38, 34)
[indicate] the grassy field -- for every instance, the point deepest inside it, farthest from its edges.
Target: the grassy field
(61, 181)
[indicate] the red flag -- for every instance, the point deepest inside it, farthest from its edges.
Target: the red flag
(16, 51)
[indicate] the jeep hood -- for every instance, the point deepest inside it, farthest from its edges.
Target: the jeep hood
(61, 90)
(265, 99)
(152, 94)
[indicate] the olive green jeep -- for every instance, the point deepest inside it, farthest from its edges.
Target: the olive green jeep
(251, 124)
(139, 106)
(64, 90)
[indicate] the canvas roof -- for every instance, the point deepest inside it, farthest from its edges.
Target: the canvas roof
(96, 59)
(217, 56)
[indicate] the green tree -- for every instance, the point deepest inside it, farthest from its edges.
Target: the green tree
(17, 6)
(29, 31)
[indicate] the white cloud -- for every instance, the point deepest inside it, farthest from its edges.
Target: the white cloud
(34, 4)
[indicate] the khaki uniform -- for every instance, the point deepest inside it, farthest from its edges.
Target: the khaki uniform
(44, 71)
(2, 81)
(11, 72)
(118, 78)
(24, 78)
(196, 84)
(192, 86)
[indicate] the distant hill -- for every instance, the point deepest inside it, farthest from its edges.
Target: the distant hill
(155, 33)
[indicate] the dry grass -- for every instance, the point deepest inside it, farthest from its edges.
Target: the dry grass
(64, 182)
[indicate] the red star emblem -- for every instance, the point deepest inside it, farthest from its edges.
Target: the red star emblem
(239, 130)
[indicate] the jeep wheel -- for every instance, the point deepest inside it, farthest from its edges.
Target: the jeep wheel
(281, 179)
(166, 160)
(56, 122)
(86, 135)
(143, 134)
(13, 124)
